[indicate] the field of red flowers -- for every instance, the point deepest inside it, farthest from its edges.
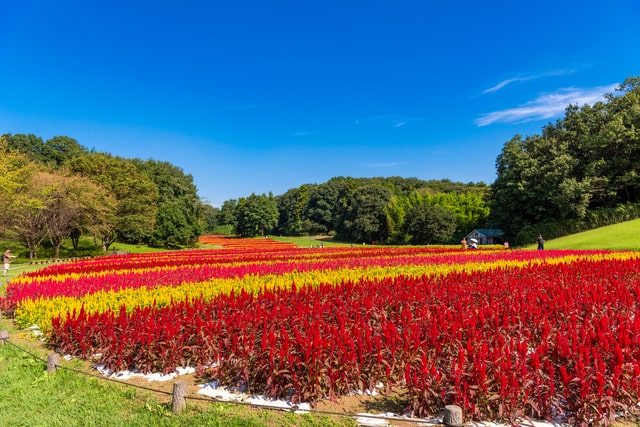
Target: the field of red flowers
(503, 334)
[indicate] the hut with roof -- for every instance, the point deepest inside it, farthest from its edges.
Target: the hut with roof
(486, 236)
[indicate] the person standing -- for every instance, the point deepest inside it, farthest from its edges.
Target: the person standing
(540, 241)
(7, 257)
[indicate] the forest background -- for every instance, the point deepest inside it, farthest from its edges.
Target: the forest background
(581, 172)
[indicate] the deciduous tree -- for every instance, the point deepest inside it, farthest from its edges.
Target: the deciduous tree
(256, 215)
(365, 219)
(179, 210)
(16, 171)
(291, 206)
(135, 194)
(428, 224)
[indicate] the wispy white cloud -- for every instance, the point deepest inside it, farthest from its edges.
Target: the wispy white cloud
(547, 106)
(525, 78)
(388, 120)
(383, 165)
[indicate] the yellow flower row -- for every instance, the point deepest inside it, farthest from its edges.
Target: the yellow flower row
(53, 275)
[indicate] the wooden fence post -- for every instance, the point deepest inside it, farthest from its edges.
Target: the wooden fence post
(52, 362)
(179, 394)
(452, 416)
(4, 336)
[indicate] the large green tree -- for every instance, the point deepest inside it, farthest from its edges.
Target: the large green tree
(30, 145)
(586, 161)
(61, 149)
(209, 218)
(54, 152)
(291, 207)
(428, 224)
(365, 218)
(69, 206)
(135, 194)
(179, 208)
(396, 211)
(322, 209)
(227, 217)
(536, 183)
(612, 153)
(34, 214)
(471, 209)
(256, 215)
(16, 171)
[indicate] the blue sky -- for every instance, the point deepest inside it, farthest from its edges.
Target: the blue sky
(264, 96)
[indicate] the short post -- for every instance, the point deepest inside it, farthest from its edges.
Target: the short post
(52, 362)
(179, 393)
(4, 336)
(452, 416)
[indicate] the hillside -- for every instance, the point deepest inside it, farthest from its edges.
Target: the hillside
(624, 235)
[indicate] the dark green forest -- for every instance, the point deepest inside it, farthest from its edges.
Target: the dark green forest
(580, 172)
(363, 210)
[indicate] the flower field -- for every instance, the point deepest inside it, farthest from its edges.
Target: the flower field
(503, 334)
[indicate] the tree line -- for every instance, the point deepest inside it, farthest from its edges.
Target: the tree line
(391, 210)
(58, 189)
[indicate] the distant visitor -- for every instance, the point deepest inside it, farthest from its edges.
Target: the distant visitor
(7, 257)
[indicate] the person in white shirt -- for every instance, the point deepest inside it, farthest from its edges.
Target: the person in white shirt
(7, 257)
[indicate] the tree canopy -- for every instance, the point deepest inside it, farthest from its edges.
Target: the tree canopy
(364, 210)
(585, 162)
(131, 200)
(426, 223)
(256, 215)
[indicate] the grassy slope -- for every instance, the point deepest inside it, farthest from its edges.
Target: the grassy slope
(625, 235)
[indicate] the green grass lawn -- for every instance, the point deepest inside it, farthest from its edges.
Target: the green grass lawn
(308, 241)
(625, 235)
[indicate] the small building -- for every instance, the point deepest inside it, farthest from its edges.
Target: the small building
(486, 236)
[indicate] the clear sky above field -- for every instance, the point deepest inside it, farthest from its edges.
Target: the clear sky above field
(259, 96)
